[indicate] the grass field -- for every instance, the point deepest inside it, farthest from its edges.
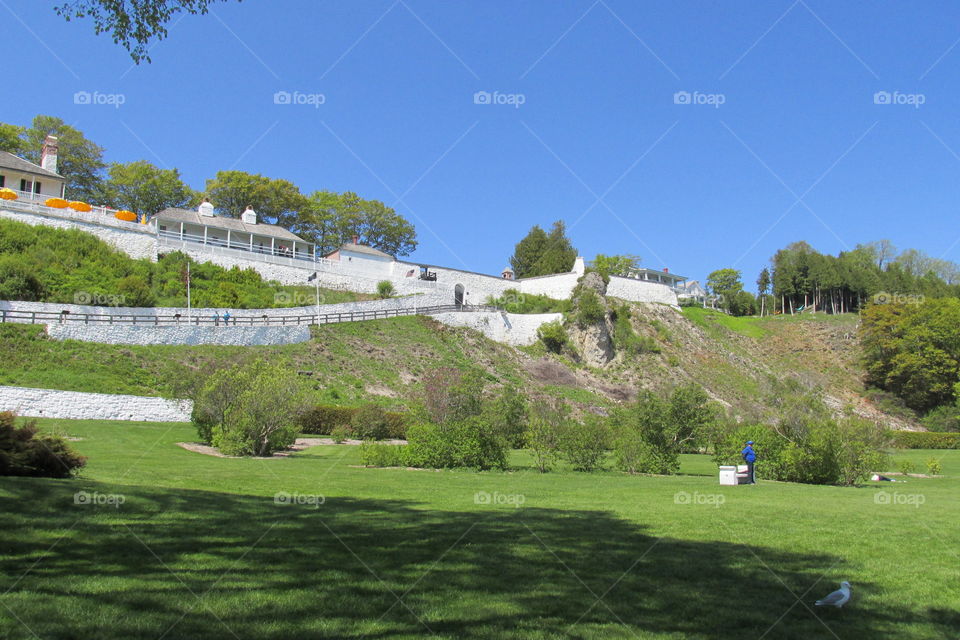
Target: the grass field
(200, 548)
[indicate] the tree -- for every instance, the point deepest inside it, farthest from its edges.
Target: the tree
(620, 265)
(763, 285)
(726, 284)
(12, 138)
(145, 189)
(528, 252)
(250, 409)
(544, 432)
(331, 219)
(273, 200)
(541, 254)
(79, 160)
(132, 25)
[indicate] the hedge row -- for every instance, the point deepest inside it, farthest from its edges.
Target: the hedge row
(925, 440)
(323, 419)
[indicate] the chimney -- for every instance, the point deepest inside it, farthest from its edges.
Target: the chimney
(665, 270)
(249, 216)
(356, 239)
(48, 157)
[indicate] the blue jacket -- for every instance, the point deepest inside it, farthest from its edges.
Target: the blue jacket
(748, 454)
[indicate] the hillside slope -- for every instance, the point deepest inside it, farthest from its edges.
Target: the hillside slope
(384, 360)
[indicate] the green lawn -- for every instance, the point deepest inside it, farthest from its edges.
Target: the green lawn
(199, 549)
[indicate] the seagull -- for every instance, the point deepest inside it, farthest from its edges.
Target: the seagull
(836, 599)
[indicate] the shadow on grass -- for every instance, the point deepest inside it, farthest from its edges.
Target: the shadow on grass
(192, 564)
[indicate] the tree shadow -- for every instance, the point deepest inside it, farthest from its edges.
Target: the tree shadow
(200, 564)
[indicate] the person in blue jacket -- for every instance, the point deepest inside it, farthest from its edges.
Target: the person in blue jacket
(749, 456)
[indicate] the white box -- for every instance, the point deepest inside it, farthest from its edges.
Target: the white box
(728, 475)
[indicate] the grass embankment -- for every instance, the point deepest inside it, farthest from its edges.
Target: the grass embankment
(200, 549)
(67, 265)
(348, 363)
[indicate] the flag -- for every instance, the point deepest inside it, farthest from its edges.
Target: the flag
(410, 273)
(313, 277)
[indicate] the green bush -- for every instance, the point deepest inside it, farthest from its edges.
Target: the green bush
(584, 445)
(627, 340)
(370, 423)
(396, 425)
(553, 336)
(644, 440)
(467, 443)
(512, 301)
(382, 455)
(506, 414)
(250, 409)
(340, 434)
(385, 289)
(323, 419)
(933, 466)
(545, 429)
(943, 419)
(925, 440)
(25, 452)
(18, 280)
(588, 309)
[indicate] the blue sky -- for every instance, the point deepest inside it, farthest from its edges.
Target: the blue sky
(780, 139)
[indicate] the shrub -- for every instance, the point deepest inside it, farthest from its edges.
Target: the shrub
(512, 301)
(507, 416)
(452, 395)
(626, 339)
(135, 292)
(645, 441)
(396, 425)
(25, 452)
(933, 466)
(370, 423)
(906, 467)
(584, 445)
(385, 289)
(340, 434)
(323, 419)
(544, 431)
(588, 309)
(553, 336)
(18, 280)
(925, 440)
(251, 409)
(943, 419)
(468, 443)
(382, 455)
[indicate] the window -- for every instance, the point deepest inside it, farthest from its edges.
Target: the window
(36, 187)
(23, 184)
(3, 179)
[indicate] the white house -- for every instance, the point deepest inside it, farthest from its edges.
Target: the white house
(29, 178)
(245, 234)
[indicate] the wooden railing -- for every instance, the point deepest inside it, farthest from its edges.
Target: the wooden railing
(265, 320)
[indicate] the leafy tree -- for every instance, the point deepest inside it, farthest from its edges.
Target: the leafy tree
(619, 265)
(545, 431)
(132, 25)
(452, 395)
(540, 253)
(726, 284)
(145, 189)
(508, 416)
(584, 445)
(763, 286)
(12, 138)
(331, 219)
(232, 191)
(255, 407)
(79, 160)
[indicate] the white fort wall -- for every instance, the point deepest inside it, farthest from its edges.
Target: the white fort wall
(76, 405)
(356, 274)
(186, 335)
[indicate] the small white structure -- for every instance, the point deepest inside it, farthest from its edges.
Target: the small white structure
(731, 475)
(24, 176)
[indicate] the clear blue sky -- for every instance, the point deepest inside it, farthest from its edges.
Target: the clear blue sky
(799, 150)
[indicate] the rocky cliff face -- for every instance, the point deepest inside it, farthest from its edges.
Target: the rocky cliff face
(593, 340)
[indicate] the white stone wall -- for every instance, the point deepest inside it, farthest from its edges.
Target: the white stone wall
(134, 242)
(641, 291)
(559, 286)
(76, 405)
(508, 328)
(128, 334)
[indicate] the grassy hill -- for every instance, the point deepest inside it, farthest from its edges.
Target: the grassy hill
(384, 360)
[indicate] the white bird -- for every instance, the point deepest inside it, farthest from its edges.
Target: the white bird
(836, 599)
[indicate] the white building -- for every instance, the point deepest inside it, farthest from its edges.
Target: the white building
(29, 178)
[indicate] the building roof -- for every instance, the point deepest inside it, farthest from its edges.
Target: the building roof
(174, 214)
(361, 248)
(10, 161)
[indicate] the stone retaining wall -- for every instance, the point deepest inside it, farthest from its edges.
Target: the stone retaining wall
(76, 405)
(185, 335)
